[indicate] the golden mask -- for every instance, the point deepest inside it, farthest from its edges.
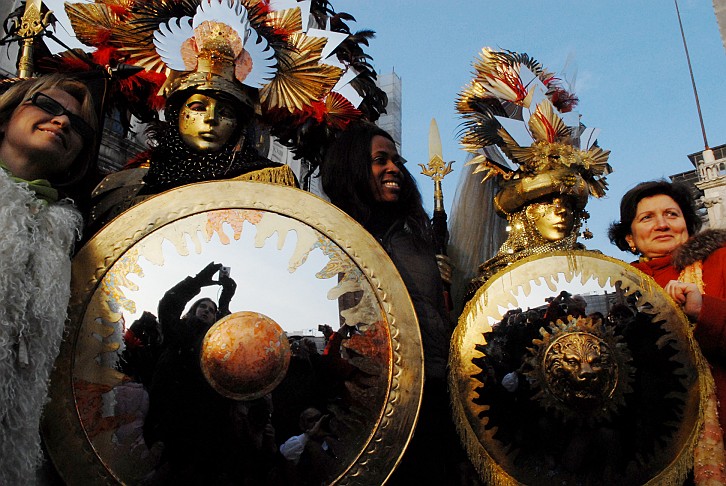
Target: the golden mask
(206, 124)
(553, 219)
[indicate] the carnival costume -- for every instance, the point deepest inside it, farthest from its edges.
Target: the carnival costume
(298, 83)
(35, 248)
(543, 390)
(519, 125)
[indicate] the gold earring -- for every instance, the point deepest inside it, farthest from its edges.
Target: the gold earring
(633, 249)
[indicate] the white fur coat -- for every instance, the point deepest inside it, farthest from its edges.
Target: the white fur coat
(35, 245)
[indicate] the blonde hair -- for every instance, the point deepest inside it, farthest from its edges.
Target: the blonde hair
(25, 89)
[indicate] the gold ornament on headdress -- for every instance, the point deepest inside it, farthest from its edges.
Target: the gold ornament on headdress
(218, 40)
(225, 42)
(517, 108)
(519, 124)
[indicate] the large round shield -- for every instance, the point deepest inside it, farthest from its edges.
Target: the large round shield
(300, 265)
(575, 368)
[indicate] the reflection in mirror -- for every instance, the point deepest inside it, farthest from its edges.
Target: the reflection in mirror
(595, 294)
(144, 399)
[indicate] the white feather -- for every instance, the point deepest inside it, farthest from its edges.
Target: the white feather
(235, 16)
(35, 286)
(169, 39)
(263, 61)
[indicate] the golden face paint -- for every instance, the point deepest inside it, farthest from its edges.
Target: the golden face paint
(205, 123)
(553, 220)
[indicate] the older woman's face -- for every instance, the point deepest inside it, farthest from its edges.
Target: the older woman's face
(553, 219)
(658, 227)
(37, 144)
(206, 124)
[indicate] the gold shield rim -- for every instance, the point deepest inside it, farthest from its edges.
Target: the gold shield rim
(68, 445)
(478, 437)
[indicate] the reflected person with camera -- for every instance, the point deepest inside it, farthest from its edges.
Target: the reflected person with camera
(186, 415)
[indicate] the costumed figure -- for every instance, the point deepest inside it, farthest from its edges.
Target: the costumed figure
(548, 386)
(521, 129)
(47, 133)
(233, 73)
(659, 222)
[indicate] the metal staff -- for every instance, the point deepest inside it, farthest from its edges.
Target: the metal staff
(437, 169)
(31, 24)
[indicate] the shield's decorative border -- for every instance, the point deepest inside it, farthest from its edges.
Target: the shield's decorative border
(68, 445)
(490, 456)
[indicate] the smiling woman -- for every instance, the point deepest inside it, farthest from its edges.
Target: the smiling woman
(46, 136)
(659, 222)
(363, 175)
(47, 129)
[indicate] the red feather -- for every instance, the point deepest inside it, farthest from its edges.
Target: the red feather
(104, 55)
(118, 9)
(102, 36)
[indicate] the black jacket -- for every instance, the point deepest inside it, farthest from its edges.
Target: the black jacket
(416, 262)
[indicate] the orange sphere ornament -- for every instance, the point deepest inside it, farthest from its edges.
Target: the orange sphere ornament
(245, 355)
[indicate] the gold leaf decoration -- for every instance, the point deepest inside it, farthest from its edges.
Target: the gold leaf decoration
(546, 125)
(340, 111)
(288, 20)
(87, 19)
(301, 79)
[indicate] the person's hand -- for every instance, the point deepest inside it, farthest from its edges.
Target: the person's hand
(445, 267)
(204, 278)
(318, 431)
(227, 283)
(687, 296)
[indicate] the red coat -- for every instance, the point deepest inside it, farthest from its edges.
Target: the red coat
(710, 330)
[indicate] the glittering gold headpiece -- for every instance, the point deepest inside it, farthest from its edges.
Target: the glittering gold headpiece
(215, 48)
(520, 126)
(264, 57)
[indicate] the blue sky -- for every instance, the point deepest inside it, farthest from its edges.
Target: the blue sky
(626, 59)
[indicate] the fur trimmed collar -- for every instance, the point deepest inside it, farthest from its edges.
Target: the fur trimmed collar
(699, 247)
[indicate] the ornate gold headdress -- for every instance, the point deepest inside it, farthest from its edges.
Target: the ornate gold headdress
(261, 53)
(214, 48)
(520, 126)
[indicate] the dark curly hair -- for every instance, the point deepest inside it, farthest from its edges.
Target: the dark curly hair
(629, 204)
(345, 176)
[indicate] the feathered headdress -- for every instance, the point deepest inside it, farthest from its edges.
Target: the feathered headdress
(520, 126)
(300, 80)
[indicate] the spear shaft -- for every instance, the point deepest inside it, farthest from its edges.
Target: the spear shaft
(437, 169)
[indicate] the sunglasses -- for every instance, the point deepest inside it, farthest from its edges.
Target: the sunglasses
(51, 106)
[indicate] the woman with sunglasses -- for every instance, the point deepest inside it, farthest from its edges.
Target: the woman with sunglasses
(46, 137)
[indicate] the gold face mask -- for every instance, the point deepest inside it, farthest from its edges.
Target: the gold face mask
(554, 220)
(205, 123)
